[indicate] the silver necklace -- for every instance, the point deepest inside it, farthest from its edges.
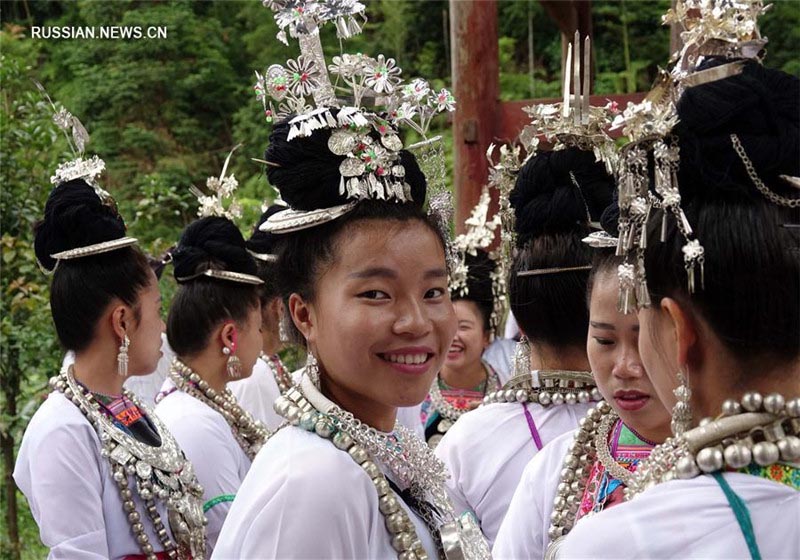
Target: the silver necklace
(604, 453)
(249, 433)
(555, 387)
(447, 410)
(756, 429)
(306, 407)
(282, 377)
(159, 473)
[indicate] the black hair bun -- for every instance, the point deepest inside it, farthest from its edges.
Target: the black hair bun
(307, 175)
(74, 216)
(546, 199)
(263, 242)
(609, 219)
(213, 242)
(761, 106)
(479, 279)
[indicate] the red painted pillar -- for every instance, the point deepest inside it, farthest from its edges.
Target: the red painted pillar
(475, 69)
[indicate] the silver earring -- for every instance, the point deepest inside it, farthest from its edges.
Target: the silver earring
(283, 329)
(522, 357)
(234, 365)
(122, 356)
(682, 411)
(312, 369)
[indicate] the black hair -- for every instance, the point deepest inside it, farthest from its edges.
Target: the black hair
(202, 303)
(556, 196)
(605, 259)
(266, 243)
(479, 285)
(306, 173)
(751, 298)
(82, 288)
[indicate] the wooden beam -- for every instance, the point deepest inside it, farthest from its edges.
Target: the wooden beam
(476, 86)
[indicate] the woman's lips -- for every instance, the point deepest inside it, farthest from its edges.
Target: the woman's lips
(631, 400)
(410, 361)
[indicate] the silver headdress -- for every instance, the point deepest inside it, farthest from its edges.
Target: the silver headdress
(722, 29)
(715, 28)
(81, 167)
(574, 122)
(364, 107)
(222, 189)
(480, 235)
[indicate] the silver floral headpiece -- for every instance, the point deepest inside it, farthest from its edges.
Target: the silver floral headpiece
(718, 28)
(222, 189)
(81, 167)
(574, 122)
(648, 125)
(364, 107)
(711, 28)
(480, 235)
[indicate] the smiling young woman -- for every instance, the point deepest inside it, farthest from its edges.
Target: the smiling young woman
(367, 292)
(466, 378)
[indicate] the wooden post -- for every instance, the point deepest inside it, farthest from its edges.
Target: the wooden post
(475, 68)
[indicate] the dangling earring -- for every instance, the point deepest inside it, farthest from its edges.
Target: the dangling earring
(234, 365)
(682, 411)
(122, 356)
(522, 357)
(283, 328)
(312, 369)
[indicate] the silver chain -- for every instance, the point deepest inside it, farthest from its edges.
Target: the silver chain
(604, 453)
(762, 188)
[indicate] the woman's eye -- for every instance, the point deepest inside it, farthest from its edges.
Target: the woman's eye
(373, 294)
(603, 341)
(434, 293)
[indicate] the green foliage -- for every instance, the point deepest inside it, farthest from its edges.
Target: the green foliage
(31, 147)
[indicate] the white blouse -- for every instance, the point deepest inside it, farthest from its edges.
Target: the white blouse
(692, 519)
(70, 489)
(207, 440)
(304, 498)
(487, 449)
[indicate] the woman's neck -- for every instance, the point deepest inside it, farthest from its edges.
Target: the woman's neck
(546, 357)
(209, 370)
(96, 369)
(710, 389)
(380, 416)
(466, 378)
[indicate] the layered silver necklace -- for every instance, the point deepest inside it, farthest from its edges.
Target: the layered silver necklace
(159, 474)
(407, 457)
(755, 429)
(249, 433)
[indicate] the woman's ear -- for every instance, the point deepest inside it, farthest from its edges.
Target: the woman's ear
(683, 327)
(228, 336)
(302, 313)
(122, 320)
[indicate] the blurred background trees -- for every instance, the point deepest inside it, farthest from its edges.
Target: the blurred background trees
(164, 113)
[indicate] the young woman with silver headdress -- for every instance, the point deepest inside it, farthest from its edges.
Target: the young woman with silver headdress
(104, 477)
(487, 449)
(363, 275)
(719, 306)
(270, 379)
(557, 489)
(214, 329)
